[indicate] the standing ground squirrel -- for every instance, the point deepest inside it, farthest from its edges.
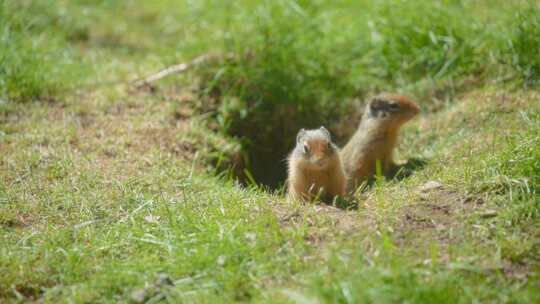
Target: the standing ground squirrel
(315, 168)
(376, 137)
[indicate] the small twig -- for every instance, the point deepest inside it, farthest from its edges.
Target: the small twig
(24, 239)
(177, 68)
(17, 294)
(136, 210)
(193, 165)
(20, 178)
(84, 224)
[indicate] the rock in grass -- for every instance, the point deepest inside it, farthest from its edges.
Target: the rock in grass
(429, 186)
(139, 295)
(488, 213)
(143, 294)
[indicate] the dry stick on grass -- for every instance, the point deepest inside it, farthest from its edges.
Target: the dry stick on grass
(178, 68)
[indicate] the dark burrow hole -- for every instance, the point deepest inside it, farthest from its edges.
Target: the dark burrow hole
(268, 135)
(265, 123)
(265, 116)
(268, 139)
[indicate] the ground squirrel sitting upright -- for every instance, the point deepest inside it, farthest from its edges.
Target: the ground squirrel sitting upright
(314, 167)
(376, 137)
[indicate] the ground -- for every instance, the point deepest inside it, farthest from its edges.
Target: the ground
(113, 193)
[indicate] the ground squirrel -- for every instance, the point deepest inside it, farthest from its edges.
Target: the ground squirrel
(376, 137)
(314, 167)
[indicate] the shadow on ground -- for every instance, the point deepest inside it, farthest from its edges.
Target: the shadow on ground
(403, 171)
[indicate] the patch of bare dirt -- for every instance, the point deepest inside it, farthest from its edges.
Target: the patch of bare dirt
(26, 292)
(438, 213)
(132, 131)
(438, 216)
(322, 222)
(518, 271)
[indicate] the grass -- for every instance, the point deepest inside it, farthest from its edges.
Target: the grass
(522, 45)
(108, 193)
(37, 63)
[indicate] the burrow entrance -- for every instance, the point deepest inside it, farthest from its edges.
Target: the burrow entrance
(265, 114)
(267, 138)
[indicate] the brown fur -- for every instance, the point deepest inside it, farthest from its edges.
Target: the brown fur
(318, 174)
(376, 137)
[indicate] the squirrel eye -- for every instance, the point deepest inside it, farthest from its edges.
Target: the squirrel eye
(306, 149)
(394, 106)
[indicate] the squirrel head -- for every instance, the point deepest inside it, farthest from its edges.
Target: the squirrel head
(394, 108)
(315, 148)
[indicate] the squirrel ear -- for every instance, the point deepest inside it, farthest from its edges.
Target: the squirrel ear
(300, 134)
(325, 131)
